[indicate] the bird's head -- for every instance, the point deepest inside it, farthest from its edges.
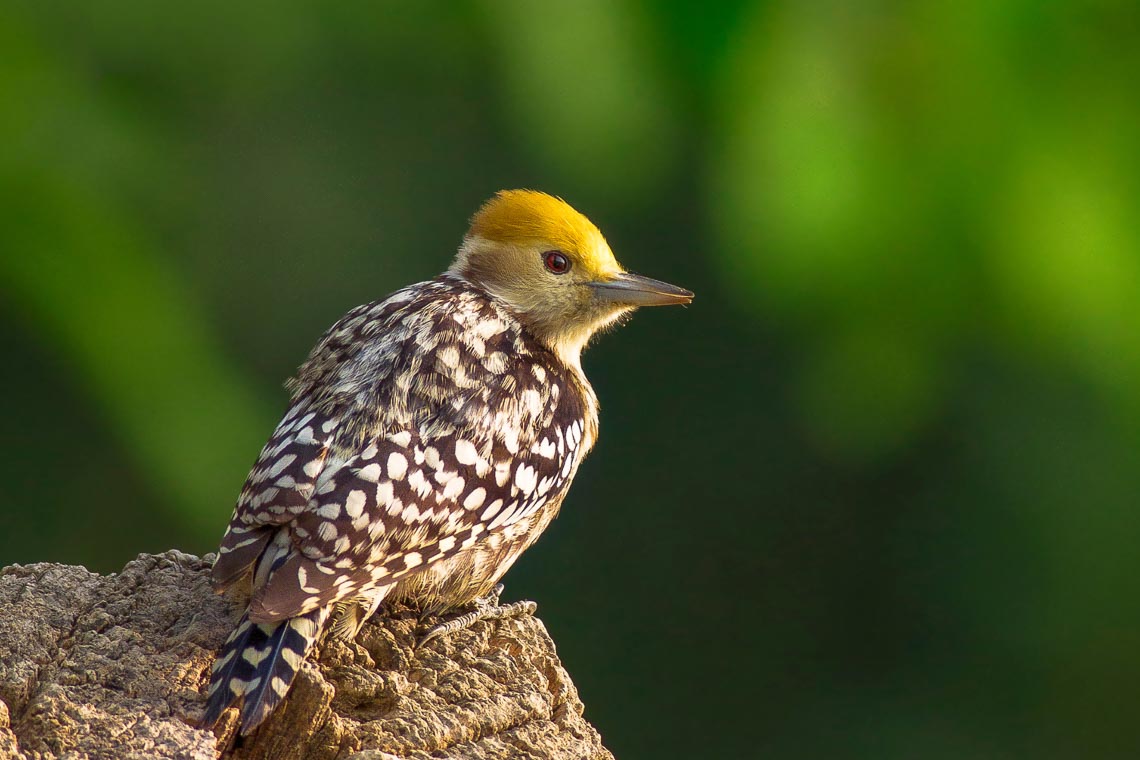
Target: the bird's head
(553, 268)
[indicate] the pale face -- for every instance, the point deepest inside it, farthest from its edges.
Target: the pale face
(554, 268)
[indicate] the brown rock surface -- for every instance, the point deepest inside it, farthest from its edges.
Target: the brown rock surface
(114, 666)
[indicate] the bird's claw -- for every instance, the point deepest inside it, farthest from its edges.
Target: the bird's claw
(486, 608)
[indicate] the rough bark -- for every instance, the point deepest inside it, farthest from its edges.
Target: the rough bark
(115, 667)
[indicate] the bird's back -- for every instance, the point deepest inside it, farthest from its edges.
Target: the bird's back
(419, 425)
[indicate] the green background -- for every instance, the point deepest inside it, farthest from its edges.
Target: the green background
(874, 495)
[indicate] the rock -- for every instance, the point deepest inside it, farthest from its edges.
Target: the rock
(115, 666)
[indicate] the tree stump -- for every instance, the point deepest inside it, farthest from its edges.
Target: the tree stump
(115, 667)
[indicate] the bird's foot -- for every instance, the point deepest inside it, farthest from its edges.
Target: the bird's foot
(486, 608)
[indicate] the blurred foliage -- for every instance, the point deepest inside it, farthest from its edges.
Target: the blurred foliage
(873, 495)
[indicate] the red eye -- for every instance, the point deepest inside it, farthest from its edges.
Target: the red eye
(556, 262)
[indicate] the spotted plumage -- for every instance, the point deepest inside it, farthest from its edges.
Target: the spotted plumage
(431, 437)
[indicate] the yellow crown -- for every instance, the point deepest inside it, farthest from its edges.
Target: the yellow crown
(526, 216)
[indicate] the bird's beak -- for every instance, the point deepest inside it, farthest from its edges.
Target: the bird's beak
(625, 289)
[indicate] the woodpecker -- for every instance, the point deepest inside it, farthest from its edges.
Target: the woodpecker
(430, 439)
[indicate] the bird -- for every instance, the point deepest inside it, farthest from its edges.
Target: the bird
(430, 438)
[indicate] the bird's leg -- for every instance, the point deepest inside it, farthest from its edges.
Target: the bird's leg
(486, 608)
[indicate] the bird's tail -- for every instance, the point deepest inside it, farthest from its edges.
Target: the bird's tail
(257, 665)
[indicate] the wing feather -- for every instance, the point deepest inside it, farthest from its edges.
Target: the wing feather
(402, 452)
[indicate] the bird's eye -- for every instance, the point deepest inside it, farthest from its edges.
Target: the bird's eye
(556, 262)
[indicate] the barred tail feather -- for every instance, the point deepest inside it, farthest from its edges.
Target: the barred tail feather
(221, 693)
(277, 664)
(257, 665)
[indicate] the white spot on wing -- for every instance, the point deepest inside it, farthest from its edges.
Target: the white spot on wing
(475, 499)
(465, 452)
(505, 515)
(280, 465)
(511, 439)
(491, 510)
(354, 504)
(454, 488)
(502, 473)
(385, 492)
(397, 465)
(525, 478)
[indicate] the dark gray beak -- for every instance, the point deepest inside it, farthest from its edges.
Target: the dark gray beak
(627, 289)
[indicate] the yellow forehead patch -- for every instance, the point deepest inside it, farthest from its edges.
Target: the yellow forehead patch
(528, 216)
